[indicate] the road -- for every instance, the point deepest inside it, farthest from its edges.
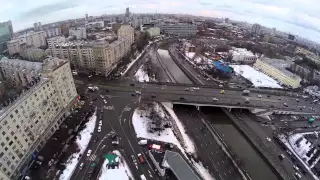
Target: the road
(210, 152)
(272, 147)
(231, 97)
(116, 117)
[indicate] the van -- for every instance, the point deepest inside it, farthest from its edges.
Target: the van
(81, 166)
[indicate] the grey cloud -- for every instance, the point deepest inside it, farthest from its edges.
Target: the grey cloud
(47, 9)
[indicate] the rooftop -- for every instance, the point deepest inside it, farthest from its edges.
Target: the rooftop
(281, 65)
(241, 51)
(178, 166)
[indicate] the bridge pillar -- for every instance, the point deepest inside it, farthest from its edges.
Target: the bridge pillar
(198, 108)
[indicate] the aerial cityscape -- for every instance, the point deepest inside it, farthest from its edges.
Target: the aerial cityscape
(157, 96)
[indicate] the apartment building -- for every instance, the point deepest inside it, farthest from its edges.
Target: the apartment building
(34, 39)
(33, 54)
(98, 56)
(276, 69)
(178, 29)
(80, 32)
(52, 42)
(27, 123)
(52, 32)
(19, 72)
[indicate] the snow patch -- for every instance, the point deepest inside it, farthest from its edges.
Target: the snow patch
(121, 173)
(82, 140)
(257, 78)
(141, 75)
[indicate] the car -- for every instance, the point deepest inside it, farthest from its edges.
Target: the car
(187, 89)
(153, 96)
(238, 103)
(99, 128)
(105, 101)
(214, 99)
(295, 168)
(297, 100)
(279, 98)
(268, 139)
(102, 96)
(247, 100)
(81, 166)
(133, 94)
(131, 84)
(182, 98)
(220, 85)
(285, 104)
(137, 92)
(141, 158)
(196, 88)
(107, 90)
(222, 91)
(259, 96)
(96, 139)
(281, 156)
(297, 175)
(268, 96)
(272, 105)
(89, 152)
(100, 123)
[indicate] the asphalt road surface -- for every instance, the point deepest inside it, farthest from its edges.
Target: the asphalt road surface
(116, 115)
(230, 97)
(209, 151)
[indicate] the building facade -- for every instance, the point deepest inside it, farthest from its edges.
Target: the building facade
(80, 32)
(242, 55)
(20, 72)
(178, 30)
(52, 42)
(32, 39)
(52, 32)
(154, 31)
(276, 69)
(6, 33)
(138, 21)
(33, 54)
(27, 123)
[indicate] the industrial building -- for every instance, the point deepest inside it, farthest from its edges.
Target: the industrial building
(178, 29)
(27, 122)
(242, 55)
(276, 69)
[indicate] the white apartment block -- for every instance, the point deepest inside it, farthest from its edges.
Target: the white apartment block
(96, 56)
(52, 42)
(52, 32)
(35, 39)
(33, 54)
(80, 32)
(27, 123)
(137, 22)
(242, 55)
(98, 24)
(19, 72)
(178, 29)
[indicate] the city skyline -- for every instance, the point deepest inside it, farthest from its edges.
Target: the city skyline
(297, 16)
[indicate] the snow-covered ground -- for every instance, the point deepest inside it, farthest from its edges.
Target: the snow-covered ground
(133, 61)
(256, 77)
(82, 140)
(140, 126)
(141, 75)
(121, 173)
(289, 142)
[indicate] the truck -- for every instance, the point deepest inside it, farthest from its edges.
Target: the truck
(143, 142)
(141, 158)
(155, 146)
(246, 92)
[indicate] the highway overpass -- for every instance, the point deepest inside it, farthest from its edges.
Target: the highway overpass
(232, 98)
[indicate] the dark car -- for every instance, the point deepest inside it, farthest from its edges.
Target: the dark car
(107, 90)
(153, 96)
(182, 98)
(131, 84)
(96, 139)
(133, 94)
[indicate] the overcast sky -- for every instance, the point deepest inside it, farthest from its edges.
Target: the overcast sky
(296, 16)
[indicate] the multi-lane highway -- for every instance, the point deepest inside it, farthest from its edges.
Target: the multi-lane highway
(230, 98)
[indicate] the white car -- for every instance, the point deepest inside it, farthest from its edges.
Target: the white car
(296, 168)
(99, 128)
(102, 96)
(259, 96)
(214, 99)
(268, 139)
(100, 123)
(105, 101)
(89, 152)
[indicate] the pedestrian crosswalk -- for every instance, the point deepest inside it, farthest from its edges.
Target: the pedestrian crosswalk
(92, 157)
(127, 108)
